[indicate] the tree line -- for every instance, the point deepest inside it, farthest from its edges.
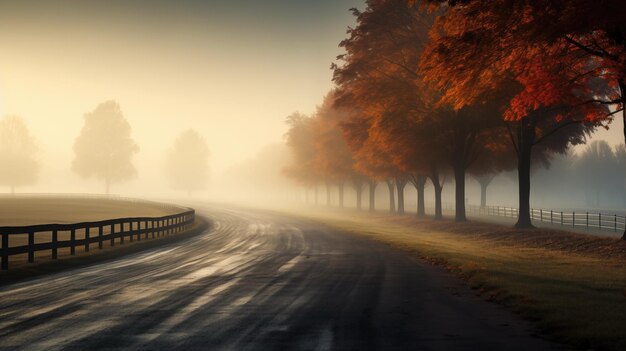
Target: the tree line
(428, 90)
(104, 150)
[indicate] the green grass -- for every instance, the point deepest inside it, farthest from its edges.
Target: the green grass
(572, 286)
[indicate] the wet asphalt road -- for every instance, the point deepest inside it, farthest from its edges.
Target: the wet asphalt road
(257, 281)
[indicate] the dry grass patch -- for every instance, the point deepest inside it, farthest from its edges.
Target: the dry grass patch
(30, 210)
(572, 285)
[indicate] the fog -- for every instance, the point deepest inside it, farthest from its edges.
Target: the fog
(231, 71)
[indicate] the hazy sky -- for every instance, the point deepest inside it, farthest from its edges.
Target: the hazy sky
(231, 69)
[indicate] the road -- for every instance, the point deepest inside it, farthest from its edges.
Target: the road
(257, 280)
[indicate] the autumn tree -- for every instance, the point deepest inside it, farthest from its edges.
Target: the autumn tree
(477, 48)
(18, 153)
(334, 159)
(370, 159)
(497, 156)
(104, 148)
(381, 82)
(187, 162)
(386, 82)
(300, 139)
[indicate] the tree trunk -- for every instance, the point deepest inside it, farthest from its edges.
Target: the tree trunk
(372, 194)
(392, 198)
(420, 183)
(434, 178)
(622, 88)
(526, 136)
(341, 194)
(459, 192)
(358, 182)
(483, 191)
(327, 194)
(400, 184)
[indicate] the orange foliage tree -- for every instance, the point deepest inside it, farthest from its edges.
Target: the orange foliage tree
(301, 141)
(380, 74)
(477, 48)
(384, 84)
(369, 158)
(333, 157)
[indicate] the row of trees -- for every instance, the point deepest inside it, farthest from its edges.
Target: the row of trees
(595, 177)
(432, 88)
(104, 150)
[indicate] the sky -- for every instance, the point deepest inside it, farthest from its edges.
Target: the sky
(232, 70)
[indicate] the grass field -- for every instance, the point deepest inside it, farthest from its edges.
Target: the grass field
(572, 286)
(30, 210)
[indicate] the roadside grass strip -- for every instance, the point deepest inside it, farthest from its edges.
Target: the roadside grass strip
(573, 286)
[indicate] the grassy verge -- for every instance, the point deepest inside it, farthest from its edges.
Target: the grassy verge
(47, 266)
(572, 286)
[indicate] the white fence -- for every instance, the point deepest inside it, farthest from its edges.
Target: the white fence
(592, 220)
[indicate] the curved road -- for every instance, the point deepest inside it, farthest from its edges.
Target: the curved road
(257, 280)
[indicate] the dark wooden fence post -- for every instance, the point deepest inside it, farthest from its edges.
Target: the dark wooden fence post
(130, 231)
(122, 233)
(145, 228)
(112, 234)
(87, 239)
(55, 244)
(600, 220)
(551, 217)
(100, 239)
(5, 251)
(73, 242)
(31, 247)
(138, 231)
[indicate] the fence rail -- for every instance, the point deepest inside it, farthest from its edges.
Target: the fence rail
(593, 220)
(119, 230)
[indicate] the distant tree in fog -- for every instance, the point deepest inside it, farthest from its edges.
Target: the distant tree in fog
(597, 166)
(18, 153)
(620, 158)
(104, 149)
(187, 163)
(497, 156)
(300, 139)
(333, 159)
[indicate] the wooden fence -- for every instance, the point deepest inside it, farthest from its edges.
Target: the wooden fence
(92, 233)
(592, 220)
